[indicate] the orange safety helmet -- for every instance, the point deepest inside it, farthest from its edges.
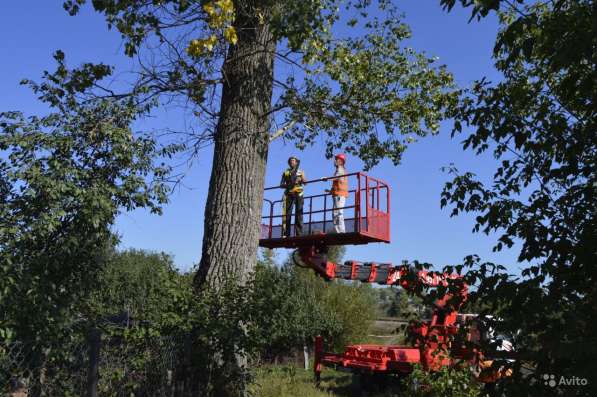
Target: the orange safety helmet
(341, 156)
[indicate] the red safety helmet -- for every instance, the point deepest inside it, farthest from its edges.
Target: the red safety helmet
(341, 156)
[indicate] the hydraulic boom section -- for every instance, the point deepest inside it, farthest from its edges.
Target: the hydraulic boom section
(380, 273)
(433, 338)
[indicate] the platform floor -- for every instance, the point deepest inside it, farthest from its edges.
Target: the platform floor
(320, 239)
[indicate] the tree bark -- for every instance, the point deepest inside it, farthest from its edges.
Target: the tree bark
(233, 208)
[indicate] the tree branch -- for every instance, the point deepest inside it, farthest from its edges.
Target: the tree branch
(281, 131)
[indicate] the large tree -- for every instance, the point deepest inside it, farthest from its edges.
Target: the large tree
(64, 177)
(256, 70)
(539, 121)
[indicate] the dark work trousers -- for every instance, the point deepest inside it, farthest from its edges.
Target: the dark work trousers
(294, 200)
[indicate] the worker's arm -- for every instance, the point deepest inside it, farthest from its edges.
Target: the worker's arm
(303, 179)
(283, 182)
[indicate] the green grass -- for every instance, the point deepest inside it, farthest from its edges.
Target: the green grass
(291, 381)
(286, 381)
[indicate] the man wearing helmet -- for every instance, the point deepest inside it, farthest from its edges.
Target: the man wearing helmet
(339, 192)
(292, 182)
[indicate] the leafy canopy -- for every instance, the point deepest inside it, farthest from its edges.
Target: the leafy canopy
(342, 72)
(64, 178)
(539, 123)
(142, 287)
(293, 305)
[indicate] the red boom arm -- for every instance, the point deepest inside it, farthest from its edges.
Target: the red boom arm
(433, 336)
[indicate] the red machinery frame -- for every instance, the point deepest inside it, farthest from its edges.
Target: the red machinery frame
(434, 347)
(434, 338)
(370, 222)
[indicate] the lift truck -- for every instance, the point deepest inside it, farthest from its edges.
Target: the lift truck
(367, 220)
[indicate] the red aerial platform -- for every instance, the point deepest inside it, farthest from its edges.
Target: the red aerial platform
(366, 212)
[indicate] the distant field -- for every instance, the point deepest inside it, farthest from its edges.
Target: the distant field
(386, 331)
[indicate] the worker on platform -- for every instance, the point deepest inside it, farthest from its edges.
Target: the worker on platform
(293, 180)
(339, 192)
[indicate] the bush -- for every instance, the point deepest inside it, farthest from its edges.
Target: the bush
(454, 382)
(293, 305)
(140, 287)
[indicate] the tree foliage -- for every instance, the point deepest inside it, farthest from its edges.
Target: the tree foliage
(289, 314)
(362, 90)
(294, 305)
(399, 303)
(254, 71)
(457, 382)
(140, 295)
(65, 177)
(140, 288)
(539, 123)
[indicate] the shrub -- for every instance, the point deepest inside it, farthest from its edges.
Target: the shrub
(454, 382)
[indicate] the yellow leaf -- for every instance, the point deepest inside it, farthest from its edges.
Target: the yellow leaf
(210, 42)
(226, 6)
(197, 47)
(209, 9)
(230, 35)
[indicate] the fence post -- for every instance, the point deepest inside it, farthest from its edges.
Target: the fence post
(306, 355)
(317, 358)
(95, 338)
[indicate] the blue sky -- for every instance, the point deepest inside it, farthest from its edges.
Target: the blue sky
(33, 30)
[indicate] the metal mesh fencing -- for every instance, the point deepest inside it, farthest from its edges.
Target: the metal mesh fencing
(103, 366)
(30, 369)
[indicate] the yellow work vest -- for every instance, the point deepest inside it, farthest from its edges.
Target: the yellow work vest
(297, 188)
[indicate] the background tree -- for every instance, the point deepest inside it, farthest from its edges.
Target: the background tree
(395, 302)
(246, 65)
(293, 305)
(65, 177)
(290, 315)
(140, 288)
(539, 122)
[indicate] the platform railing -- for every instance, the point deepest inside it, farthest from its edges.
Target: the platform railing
(372, 218)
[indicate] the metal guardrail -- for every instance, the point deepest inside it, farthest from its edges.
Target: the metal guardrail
(369, 199)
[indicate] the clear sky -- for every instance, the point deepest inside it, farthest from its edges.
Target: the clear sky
(33, 30)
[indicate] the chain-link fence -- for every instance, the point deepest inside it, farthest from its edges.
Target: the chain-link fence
(97, 365)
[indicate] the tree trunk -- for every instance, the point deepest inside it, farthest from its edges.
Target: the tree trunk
(233, 209)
